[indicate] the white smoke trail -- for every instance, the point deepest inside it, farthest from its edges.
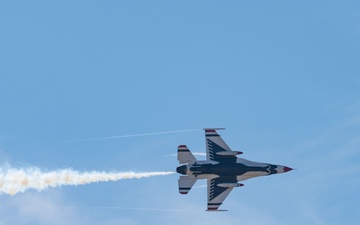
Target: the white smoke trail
(132, 135)
(13, 181)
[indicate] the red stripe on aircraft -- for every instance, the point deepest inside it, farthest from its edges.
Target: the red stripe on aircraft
(212, 208)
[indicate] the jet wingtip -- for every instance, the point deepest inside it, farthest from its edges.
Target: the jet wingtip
(216, 210)
(213, 129)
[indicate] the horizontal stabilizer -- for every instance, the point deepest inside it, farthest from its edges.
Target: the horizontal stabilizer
(185, 184)
(184, 155)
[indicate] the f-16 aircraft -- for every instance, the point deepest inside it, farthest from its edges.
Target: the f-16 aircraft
(222, 169)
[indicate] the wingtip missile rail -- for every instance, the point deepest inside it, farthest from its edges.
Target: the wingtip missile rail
(227, 153)
(230, 185)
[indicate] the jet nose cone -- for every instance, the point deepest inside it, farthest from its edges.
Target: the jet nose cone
(287, 169)
(181, 169)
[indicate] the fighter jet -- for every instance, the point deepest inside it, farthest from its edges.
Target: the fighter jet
(222, 169)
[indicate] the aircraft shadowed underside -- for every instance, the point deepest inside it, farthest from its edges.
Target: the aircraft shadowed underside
(222, 169)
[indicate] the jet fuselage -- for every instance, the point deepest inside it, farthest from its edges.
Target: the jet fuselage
(242, 169)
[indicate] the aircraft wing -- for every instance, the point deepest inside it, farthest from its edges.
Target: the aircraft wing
(216, 194)
(215, 144)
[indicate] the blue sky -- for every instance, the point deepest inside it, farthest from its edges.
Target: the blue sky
(281, 76)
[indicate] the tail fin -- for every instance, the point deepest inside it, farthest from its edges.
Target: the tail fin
(184, 155)
(185, 184)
